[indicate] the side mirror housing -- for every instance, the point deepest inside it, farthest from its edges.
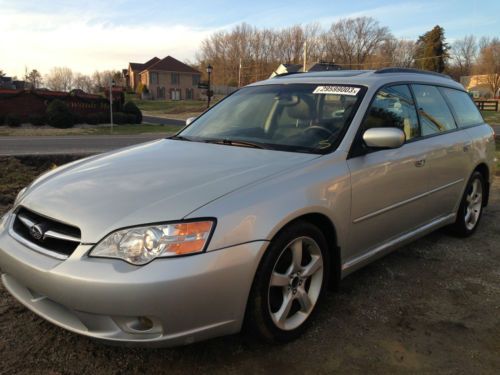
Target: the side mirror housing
(190, 120)
(384, 137)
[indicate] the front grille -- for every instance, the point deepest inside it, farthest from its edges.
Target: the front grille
(42, 233)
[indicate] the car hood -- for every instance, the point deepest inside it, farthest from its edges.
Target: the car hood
(153, 182)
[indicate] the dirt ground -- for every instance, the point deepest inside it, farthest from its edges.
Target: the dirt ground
(431, 307)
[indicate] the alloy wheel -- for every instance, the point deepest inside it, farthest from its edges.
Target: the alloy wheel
(295, 283)
(474, 204)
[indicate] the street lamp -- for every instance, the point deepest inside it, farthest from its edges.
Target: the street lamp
(111, 84)
(209, 93)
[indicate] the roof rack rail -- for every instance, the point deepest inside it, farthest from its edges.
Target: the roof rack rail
(410, 70)
(286, 74)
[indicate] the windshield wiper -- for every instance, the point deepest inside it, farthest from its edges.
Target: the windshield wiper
(235, 142)
(180, 138)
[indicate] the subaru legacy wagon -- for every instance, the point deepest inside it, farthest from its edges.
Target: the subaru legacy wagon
(251, 212)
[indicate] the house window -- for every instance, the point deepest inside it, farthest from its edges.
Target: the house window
(153, 78)
(189, 94)
(175, 78)
(196, 79)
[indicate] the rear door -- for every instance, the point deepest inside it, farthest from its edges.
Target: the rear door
(449, 146)
(389, 187)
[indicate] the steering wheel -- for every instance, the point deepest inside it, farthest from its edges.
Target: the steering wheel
(328, 132)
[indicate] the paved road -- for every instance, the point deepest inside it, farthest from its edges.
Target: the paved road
(162, 121)
(85, 144)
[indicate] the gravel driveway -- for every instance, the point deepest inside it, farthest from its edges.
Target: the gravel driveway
(431, 307)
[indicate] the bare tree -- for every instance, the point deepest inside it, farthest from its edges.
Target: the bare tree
(60, 79)
(464, 54)
(83, 82)
(489, 63)
(355, 39)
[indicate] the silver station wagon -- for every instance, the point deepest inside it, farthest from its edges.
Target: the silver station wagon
(246, 216)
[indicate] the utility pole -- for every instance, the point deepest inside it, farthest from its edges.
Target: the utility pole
(209, 91)
(111, 84)
(304, 69)
(239, 75)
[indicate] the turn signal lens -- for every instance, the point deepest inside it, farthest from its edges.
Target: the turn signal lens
(141, 245)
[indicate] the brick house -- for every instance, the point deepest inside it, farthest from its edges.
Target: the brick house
(170, 78)
(132, 73)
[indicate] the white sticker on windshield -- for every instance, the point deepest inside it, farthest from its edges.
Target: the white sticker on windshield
(337, 90)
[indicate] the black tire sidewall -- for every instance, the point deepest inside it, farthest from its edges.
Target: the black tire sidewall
(259, 321)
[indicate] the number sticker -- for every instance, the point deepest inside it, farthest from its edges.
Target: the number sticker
(337, 90)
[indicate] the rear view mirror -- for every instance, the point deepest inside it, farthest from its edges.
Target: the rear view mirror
(384, 137)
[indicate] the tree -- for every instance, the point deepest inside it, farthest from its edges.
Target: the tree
(60, 79)
(432, 50)
(34, 79)
(464, 54)
(83, 82)
(489, 64)
(351, 41)
(2, 74)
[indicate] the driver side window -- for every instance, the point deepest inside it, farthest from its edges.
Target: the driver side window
(393, 106)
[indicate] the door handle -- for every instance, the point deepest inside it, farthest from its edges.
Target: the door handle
(420, 163)
(467, 146)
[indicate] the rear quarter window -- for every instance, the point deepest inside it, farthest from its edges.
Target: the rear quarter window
(466, 112)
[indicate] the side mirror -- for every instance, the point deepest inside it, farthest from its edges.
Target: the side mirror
(384, 137)
(190, 120)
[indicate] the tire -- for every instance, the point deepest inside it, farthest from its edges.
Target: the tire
(471, 207)
(289, 284)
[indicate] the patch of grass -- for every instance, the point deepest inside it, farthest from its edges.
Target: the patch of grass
(18, 172)
(97, 130)
(15, 175)
(170, 106)
(492, 118)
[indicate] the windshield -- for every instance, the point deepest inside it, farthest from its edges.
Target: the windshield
(294, 117)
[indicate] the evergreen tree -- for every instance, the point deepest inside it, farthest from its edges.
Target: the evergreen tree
(432, 50)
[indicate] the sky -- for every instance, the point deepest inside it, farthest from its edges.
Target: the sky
(97, 35)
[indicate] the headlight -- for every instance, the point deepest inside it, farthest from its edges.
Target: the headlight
(140, 245)
(20, 195)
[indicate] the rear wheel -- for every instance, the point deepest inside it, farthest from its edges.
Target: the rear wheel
(289, 283)
(471, 207)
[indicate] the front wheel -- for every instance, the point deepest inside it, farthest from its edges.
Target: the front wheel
(471, 207)
(289, 283)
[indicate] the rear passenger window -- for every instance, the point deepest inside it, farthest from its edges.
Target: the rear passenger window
(393, 107)
(466, 112)
(435, 116)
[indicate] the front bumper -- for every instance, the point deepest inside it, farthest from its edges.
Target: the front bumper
(186, 299)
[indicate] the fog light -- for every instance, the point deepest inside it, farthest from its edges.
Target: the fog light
(142, 323)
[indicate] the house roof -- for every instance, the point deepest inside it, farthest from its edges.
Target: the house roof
(169, 64)
(140, 67)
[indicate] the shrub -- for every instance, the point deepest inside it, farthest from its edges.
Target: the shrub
(59, 115)
(93, 119)
(2, 120)
(131, 108)
(119, 118)
(37, 120)
(13, 120)
(131, 119)
(78, 118)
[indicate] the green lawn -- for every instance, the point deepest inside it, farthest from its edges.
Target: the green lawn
(98, 130)
(492, 118)
(170, 106)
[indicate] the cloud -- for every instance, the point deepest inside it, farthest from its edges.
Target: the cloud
(85, 42)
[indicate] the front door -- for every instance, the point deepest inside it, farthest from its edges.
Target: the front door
(389, 186)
